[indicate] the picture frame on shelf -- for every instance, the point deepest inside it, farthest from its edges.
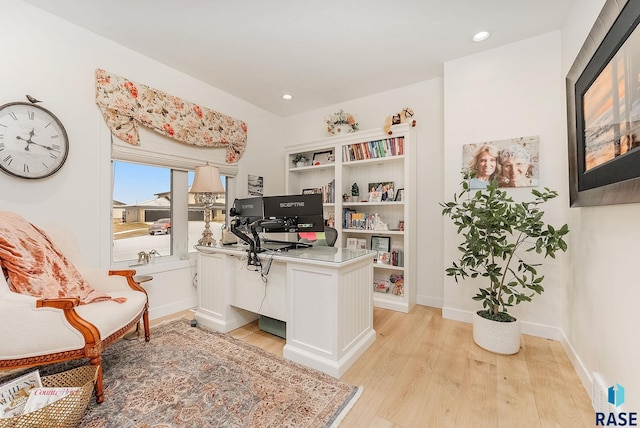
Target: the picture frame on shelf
(352, 243)
(384, 257)
(399, 195)
(321, 158)
(603, 142)
(381, 243)
(381, 191)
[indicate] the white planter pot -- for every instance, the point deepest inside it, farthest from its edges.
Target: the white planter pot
(499, 337)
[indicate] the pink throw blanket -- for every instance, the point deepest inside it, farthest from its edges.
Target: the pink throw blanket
(36, 267)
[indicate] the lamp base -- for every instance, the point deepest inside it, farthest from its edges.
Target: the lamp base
(207, 239)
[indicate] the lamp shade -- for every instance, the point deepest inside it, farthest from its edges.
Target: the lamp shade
(207, 180)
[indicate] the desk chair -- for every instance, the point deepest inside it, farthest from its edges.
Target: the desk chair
(327, 238)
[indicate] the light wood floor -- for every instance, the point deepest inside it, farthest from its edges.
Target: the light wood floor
(425, 371)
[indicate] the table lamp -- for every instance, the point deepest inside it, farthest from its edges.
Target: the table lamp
(206, 185)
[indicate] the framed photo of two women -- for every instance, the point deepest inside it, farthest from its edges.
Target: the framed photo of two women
(513, 162)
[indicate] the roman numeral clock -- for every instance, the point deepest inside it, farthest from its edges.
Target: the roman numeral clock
(33, 142)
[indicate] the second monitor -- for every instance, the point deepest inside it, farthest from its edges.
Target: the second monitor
(293, 213)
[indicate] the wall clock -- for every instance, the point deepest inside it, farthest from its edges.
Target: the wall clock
(33, 142)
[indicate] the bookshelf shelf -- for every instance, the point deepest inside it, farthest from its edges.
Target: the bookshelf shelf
(368, 158)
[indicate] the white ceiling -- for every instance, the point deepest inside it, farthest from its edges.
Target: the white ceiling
(323, 52)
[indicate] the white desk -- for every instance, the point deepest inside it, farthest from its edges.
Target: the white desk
(324, 294)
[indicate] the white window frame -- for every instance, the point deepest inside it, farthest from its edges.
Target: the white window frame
(160, 151)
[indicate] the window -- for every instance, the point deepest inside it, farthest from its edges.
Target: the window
(150, 214)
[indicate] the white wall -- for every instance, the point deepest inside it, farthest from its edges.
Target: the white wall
(603, 296)
(507, 92)
(425, 99)
(55, 61)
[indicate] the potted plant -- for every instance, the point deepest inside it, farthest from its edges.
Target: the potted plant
(300, 160)
(497, 233)
(355, 192)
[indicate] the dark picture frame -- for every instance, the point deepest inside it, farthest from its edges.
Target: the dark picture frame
(321, 158)
(604, 160)
(381, 243)
(399, 195)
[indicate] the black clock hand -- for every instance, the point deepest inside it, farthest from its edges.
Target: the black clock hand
(41, 145)
(31, 133)
(27, 141)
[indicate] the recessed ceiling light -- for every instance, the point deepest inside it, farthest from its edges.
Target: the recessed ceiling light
(287, 97)
(480, 36)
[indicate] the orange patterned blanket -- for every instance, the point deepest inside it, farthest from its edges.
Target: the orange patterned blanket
(36, 267)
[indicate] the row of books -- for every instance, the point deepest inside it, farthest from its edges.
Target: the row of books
(328, 192)
(397, 257)
(373, 149)
(351, 219)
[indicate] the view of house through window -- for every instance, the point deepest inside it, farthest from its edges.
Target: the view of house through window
(143, 213)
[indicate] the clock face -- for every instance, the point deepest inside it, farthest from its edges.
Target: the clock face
(33, 142)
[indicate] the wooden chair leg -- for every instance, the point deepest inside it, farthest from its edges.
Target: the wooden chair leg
(145, 318)
(99, 388)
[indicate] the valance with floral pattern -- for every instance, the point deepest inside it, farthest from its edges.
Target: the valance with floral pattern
(125, 104)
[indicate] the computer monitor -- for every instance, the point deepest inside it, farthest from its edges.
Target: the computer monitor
(293, 213)
(247, 210)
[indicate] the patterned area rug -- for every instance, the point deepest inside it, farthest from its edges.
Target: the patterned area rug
(191, 377)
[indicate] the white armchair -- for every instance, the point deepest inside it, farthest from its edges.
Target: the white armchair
(38, 331)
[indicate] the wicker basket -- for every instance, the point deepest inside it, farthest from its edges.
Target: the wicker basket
(65, 412)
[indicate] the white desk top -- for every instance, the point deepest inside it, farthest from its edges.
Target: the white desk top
(318, 254)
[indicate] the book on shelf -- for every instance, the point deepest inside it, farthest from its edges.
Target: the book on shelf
(397, 256)
(327, 191)
(14, 394)
(387, 147)
(40, 397)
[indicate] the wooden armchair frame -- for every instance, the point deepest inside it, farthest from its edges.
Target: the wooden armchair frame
(93, 343)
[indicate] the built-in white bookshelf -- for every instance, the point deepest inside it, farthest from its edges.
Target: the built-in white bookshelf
(367, 158)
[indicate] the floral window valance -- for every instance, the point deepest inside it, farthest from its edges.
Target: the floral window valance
(125, 104)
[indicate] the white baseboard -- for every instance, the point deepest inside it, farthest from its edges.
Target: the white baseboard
(179, 306)
(434, 302)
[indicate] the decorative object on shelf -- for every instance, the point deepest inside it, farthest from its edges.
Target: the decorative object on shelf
(378, 224)
(321, 158)
(341, 123)
(34, 142)
(398, 284)
(381, 286)
(206, 185)
(405, 116)
(498, 231)
(300, 160)
(355, 192)
(399, 195)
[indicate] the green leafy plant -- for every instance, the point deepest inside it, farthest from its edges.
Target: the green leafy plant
(355, 190)
(497, 233)
(299, 158)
